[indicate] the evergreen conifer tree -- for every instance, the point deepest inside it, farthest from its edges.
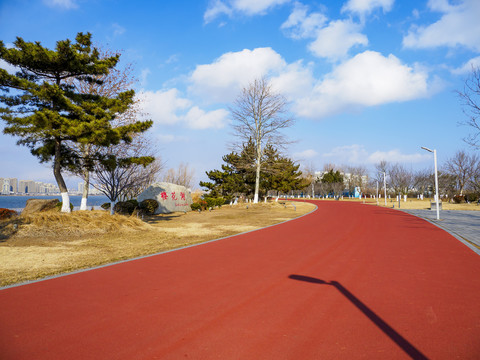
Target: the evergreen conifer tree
(45, 111)
(238, 174)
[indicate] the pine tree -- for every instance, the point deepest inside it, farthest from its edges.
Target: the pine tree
(45, 111)
(238, 174)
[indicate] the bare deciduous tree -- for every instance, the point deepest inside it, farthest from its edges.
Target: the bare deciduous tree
(308, 173)
(259, 113)
(356, 176)
(422, 179)
(381, 168)
(330, 166)
(474, 182)
(183, 175)
(461, 165)
(470, 97)
(401, 179)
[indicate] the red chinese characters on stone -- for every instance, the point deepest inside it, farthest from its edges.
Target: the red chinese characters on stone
(164, 195)
(174, 197)
(182, 196)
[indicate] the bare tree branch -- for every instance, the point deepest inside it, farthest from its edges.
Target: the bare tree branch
(462, 166)
(183, 175)
(470, 97)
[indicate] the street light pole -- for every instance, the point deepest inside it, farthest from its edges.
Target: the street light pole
(434, 151)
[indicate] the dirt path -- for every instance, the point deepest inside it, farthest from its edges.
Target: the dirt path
(348, 281)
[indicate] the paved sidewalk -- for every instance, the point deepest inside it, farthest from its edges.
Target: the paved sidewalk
(464, 225)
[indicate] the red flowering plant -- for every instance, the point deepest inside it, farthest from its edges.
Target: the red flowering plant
(6, 213)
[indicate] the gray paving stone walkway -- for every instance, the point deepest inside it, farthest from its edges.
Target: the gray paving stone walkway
(464, 225)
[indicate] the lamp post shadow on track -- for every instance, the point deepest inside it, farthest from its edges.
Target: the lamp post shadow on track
(403, 343)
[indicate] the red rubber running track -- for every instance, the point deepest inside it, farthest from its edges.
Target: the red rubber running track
(348, 281)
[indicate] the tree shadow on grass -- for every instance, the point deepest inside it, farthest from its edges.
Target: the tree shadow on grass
(158, 219)
(403, 343)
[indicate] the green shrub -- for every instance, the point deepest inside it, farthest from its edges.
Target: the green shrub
(105, 206)
(196, 206)
(472, 197)
(148, 206)
(6, 213)
(458, 199)
(124, 208)
(210, 202)
(59, 205)
(219, 201)
(134, 202)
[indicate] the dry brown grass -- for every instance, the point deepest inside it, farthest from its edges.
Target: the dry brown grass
(52, 243)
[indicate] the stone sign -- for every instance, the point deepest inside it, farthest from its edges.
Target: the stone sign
(170, 197)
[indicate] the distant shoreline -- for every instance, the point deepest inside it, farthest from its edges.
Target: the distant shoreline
(18, 201)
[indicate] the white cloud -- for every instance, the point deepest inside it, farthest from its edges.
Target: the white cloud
(66, 4)
(348, 154)
(253, 7)
(118, 29)
(301, 25)
(216, 8)
(306, 154)
(335, 40)
(395, 156)
(459, 26)
(293, 80)
(364, 7)
(163, 106)
(197, 118)
(222, 80)
(332, 41)
(169, 108)
(166, 138)
(245, 7)
(468, 66)
(440, 5)
(368, 79)
(143, 76)
(357, 154)
(172, 59)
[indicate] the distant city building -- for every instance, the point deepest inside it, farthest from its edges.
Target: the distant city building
(26, 186)
(12, 186)
(8, 186)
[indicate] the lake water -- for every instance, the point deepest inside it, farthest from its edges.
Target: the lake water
(17, 203)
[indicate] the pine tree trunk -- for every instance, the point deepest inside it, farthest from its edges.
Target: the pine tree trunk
(86, 185)
(59, 178)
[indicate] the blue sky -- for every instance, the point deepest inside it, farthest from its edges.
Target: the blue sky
(366, 80)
